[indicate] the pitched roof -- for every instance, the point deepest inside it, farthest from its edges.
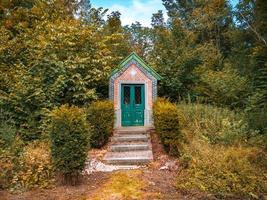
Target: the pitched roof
(134, 56)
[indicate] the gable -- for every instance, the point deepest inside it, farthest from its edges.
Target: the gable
(134, 59)
(133, 73)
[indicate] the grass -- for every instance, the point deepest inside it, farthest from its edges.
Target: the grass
(122, 185)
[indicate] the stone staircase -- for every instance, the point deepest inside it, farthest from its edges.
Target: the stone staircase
(129, 146)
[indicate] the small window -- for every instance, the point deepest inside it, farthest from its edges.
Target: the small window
(138, 95)
(126, 95)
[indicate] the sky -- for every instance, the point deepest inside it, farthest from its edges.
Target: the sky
(135, 10)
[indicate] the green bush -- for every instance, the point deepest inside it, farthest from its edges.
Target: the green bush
(34, 167)
(166, 121)
(223, 88)
(222, 156)
(9, 161)
(70, 134)
(101, 116)
(25, 166)
(213, 124)
(222, 171)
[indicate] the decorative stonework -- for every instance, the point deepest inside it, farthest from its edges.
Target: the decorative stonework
(133, 71)
(126, 66)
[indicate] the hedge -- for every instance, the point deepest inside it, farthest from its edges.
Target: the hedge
(166, 121)
(100, 114)
(70, 133)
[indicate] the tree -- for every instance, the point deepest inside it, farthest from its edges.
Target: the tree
(54, 59)
(257, 108)
(140, 39)
(196, 41)
(173, 57)
(116, 39)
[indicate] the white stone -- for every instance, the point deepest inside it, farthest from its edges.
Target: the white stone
(97, 166)
(169, 165)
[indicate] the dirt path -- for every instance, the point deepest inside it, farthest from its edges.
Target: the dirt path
(120, 185)
(151, 182)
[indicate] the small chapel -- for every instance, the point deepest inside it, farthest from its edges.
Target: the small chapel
(133, 88)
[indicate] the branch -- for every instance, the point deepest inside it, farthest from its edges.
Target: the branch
(253, 29)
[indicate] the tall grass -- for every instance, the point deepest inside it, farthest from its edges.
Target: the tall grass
(213, 124)
(219, 157)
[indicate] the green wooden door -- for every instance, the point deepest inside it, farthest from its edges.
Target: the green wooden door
(132, 105)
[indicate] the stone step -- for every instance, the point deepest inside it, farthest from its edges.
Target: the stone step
(129, 134)
(129, 138)
(132, 130)
(129, 147)
(127, 131)
(128, 142)
(129, 158)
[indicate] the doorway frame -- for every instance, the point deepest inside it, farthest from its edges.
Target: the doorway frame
(147, 112)
(133, 86)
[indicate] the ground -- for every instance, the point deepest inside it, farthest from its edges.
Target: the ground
(155, 181)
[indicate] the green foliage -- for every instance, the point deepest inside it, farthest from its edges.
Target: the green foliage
(49, 58)
(61, 52)
(222, 156)
(8, 133)
(140, 39)
(100, 115)
(225, 87)
(116, 39)
(9, 160)
(256, 111)
(213, 124)
(10, 149)
(203, 53)
(197, 35)
(223, 172)
(70, 134)
(35, 169)
(166, 121)
(172, 51)
(257, 104)
(23, 166)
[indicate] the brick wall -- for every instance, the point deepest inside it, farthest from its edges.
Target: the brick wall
(137, 77)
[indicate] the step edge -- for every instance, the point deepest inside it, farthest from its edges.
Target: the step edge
(127, 159)
(128, 145)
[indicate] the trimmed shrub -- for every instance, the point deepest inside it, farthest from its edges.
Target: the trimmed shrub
(70, 133)
(101, 116)
(166, 121)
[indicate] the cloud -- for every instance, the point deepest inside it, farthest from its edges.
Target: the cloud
(138, 10)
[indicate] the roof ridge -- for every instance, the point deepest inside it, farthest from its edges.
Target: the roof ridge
(135, 56)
